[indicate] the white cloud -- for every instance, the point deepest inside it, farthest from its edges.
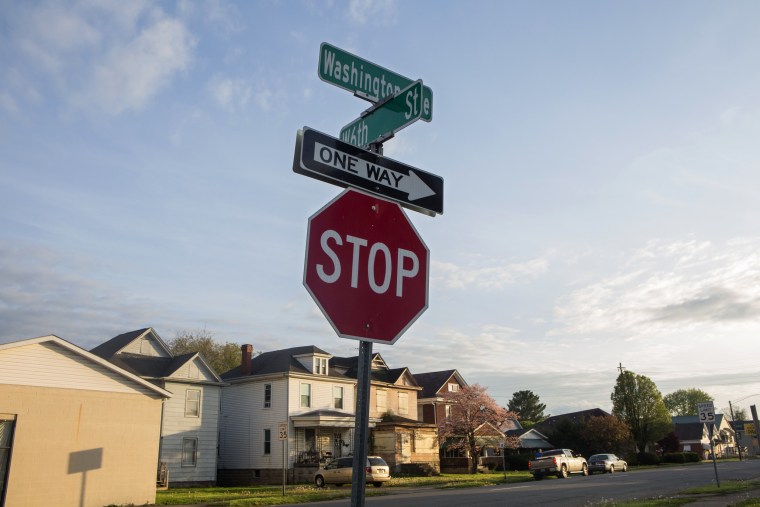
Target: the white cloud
(671, 287)
(231, 94)
(361, 11)
(446, 275)
(132, 74)
(95, 55)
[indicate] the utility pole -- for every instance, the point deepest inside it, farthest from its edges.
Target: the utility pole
(738, 445)
(620, 368)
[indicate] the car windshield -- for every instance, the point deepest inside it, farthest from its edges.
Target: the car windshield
(377, 462)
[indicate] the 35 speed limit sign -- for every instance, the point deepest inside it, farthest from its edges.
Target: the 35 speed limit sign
(283, 430)
(706, 412)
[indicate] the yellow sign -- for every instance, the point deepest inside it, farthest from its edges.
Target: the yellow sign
(749, 429)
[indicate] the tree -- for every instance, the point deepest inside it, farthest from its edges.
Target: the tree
(528, 406)
(637, 401)
(740, 414)
(472, 408)
(684, 401)
(607, 433)
(221, 357)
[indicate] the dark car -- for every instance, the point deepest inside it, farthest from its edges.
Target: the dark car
(606, 463)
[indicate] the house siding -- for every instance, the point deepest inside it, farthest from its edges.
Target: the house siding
(176, 427)
(36, 364)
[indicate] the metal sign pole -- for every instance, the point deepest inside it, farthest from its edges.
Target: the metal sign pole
(284, 468)
(361, 430)
(712, 451)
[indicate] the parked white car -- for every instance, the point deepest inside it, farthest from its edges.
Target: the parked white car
(340, 471)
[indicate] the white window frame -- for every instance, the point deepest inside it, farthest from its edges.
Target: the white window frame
(320, 366)
(336, 398)
(267, 395)
(189, 412)
(193, 452)
(447, 411)
(301, 395)
(453, 388)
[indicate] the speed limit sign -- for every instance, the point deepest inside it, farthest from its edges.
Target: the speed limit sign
(706, 412)
(283, 430)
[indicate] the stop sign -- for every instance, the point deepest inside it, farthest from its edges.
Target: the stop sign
(366, 267)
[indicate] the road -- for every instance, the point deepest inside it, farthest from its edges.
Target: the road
(575, 491)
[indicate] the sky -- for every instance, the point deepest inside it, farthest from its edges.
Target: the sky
(601, 165)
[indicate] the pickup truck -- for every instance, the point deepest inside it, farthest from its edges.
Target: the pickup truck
(559, 462)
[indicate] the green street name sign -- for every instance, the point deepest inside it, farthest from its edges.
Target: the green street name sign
(365, 79)
(383, 120)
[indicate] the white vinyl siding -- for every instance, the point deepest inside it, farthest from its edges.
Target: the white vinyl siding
(146, 346)
(193, 370)
(204, 428)
(243, 422)
(69, 369)
(189, 452)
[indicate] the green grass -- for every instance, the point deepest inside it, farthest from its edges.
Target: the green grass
(301, 493)
(726, 488)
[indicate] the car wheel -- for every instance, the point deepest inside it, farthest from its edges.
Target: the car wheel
(612, 469)
(625, 467)
(563, 472)
(319, 481)
(377, 484)
(584, 471)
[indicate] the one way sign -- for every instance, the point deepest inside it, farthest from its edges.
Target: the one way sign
(329, 159)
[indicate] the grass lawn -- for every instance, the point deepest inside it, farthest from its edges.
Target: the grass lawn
(300, 493)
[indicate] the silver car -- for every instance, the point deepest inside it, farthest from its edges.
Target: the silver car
(606, 463)
(340, 471)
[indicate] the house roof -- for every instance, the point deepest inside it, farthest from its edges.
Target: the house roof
(548, 424)
(89, 356)
(279, 361)
(432, 382)
(691, 431)
(108, 349)
(530, 438)
(144, 365)
(393, 419)
(682, 419)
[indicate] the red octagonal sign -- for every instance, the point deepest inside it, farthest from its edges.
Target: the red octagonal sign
(366, 267)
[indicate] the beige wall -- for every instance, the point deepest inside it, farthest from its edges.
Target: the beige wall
(61, 432)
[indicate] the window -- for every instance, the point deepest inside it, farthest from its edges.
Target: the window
(403, 403)
(382, 400)
(447, 411)
(320, 366)
(305, 395)
(453, 388)
(6, 443)
(192, 403)
(267, 395)
(267, 441)
(192, 371)
(337, 397)
(189, 452)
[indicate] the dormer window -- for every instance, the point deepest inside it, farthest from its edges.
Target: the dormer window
(320, 366)
(453, 388)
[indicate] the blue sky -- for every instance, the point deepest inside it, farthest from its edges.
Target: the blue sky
(601, 164)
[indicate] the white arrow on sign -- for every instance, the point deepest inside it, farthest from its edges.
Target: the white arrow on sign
(408, 183)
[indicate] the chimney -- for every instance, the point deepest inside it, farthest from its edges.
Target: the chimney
(245, 360)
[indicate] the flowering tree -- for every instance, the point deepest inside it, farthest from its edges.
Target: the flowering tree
(474, 422)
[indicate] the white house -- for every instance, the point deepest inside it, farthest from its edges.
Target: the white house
(294, 388)
(190, 419)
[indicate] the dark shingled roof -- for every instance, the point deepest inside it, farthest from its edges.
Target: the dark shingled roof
(689, 431)
(107, 349)
(431, 382)
(150, 366)
(547, 425)
(277, 361)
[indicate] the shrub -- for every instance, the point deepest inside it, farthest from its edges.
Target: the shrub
(674, 457)
(691, 457)
(647, 458)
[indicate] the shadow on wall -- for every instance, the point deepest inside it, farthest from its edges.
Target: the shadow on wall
(82, 461)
